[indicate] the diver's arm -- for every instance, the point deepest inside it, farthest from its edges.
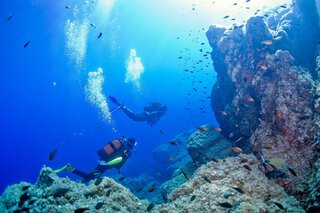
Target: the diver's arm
(133, 116)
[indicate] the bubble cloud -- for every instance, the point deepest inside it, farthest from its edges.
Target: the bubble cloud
(94, 93)
(134, 70)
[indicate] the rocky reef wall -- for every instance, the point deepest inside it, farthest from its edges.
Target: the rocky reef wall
(267, 84)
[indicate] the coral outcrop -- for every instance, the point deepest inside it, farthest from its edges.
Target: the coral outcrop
(267, 77)
(206, 143)
(54, 194)
(236, 184)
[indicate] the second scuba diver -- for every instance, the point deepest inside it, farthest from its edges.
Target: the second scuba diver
(151, 113)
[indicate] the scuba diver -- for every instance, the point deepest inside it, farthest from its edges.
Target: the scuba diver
(151, 113)
(112, 155)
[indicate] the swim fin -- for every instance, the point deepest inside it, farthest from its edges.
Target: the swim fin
(114, 100)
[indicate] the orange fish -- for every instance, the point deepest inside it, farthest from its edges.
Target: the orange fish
(264, 68)
(236, 149)
(202, 129)
(152, 188)
(174, 143)
(267, 42)
(249, 99)
(223, 113)
(279, 115)
(217, 129)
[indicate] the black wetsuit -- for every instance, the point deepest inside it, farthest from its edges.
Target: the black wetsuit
(124, 152)
(150, 117)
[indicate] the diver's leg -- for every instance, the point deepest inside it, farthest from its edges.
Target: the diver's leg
(133, 116)
(84, 175)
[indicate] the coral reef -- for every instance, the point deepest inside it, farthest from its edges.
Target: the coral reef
(54, 194)
(206, 144)
(234, 183)
(312, 200)
(269, 88)
(228, 185)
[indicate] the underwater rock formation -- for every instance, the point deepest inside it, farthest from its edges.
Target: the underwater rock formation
(204, 145)
(139, 187)
(171, 156)
(228, 185)
(312, 198)
(54, 194)
(179, 177)
(234, 183)
(267, 78)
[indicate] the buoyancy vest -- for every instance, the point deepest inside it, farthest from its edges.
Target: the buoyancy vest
(108, 150)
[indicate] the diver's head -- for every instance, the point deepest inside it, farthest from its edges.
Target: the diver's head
(131, 142)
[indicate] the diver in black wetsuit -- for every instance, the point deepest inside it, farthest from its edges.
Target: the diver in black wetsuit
(151, 113)
(113, 155)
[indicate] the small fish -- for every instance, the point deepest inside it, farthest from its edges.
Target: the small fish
(223, 113)
(206, 179)
(68, 7)
(264, 68)
(26, 44)
(215, 160)
(236, 149)
(60, 192)
(24, 188)
(173, 143)
(267, 42)
(31, 202)
(283, 6)
(152, 188)
(151, 205)
(53, 154)
(161, 131)
(121, 178)
(292, 171)
(93, 25)
(247, 167)
(231, 135)
(238, 189)
(203, 129)
(108, 193)
(279, 115)
(186, 176)
(80, 210)
(225, 205)
(8, 18)
(171, 158)
(98, 181)
(99, 205)
(24, 197)
(226, 17)
(192, 198)
(217, 129)
(244, 160)
(279, 205)
(99, 36)
(249, 99)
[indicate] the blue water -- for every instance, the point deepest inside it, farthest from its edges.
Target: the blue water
(42, 88)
